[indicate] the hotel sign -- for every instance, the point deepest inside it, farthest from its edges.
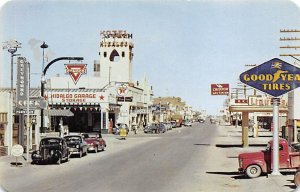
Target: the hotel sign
(274, 77)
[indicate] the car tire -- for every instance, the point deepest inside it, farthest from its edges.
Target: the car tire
(80, 154)
(253, 171)
(297, 178)
(96, 150)
(59, 161)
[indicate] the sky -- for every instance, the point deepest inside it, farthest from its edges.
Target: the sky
(182, 46)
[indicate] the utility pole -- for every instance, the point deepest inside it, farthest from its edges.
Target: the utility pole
(12, 47)
(290, 50)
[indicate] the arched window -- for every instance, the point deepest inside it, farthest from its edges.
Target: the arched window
(114, 56)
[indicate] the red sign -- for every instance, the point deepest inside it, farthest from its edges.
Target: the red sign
(75, 71)
(219, 89)
(243, 101)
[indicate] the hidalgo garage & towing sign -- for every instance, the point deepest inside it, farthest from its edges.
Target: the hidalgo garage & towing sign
(274, 77)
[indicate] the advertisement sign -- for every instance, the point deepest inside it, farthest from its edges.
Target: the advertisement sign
(274, 77)
(22, 80)
(219, 89)
(75, 71)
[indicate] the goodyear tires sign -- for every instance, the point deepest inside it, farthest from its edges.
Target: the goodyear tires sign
(274, 77)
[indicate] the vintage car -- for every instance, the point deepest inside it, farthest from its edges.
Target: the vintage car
(94, 142)
(51, 150)
(77, 145)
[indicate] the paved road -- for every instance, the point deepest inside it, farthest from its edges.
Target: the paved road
(173, 161)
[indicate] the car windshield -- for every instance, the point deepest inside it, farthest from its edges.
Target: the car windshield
(73, 139)
(50, 141)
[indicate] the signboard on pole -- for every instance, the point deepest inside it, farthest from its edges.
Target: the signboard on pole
(274, 77)
(22, 80)
(219, 89)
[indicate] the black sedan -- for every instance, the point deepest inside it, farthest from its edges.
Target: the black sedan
(155, 128)
(77, 145)
(51, 150)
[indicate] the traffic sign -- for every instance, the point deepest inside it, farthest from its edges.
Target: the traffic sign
(274, 77)
(17, 150)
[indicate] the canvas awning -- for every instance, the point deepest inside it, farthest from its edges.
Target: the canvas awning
(58, 112)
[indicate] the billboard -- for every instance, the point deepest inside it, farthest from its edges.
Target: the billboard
(219, 89)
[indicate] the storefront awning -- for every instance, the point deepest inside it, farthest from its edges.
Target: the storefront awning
(59, 112)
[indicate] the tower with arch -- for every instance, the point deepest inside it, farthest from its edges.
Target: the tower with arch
(116, 53)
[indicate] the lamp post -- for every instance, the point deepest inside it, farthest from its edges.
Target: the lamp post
(44, 46)
(12, 47)
(43, 81)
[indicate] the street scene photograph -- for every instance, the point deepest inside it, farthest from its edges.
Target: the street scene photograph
(149, 96)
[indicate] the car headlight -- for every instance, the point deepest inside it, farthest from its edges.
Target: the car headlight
(241, 162)
(77, 146)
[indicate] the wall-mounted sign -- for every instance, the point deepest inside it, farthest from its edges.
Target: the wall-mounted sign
(274, 77)
(219, 89)
(241, 101)
(124, 99)
(122, 90)
(75, 71)
(76, 97)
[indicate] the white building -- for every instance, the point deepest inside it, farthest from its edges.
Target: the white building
(109, 96)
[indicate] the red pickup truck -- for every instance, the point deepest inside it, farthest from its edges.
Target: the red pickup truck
(255, 163)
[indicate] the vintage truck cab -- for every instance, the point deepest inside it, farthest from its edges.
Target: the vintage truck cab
(255, 163)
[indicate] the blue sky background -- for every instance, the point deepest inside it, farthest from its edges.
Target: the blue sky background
(182, 46)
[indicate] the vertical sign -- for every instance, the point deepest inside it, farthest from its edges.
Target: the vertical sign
(22, 79)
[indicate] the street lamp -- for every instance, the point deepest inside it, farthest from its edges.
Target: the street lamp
(12, 47)
(44, 46)
(43, 81)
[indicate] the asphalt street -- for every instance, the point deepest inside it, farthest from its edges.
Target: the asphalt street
(188, 159)
(164, 162)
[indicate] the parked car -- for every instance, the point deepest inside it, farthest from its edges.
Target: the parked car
(255, 163)
(173, 123)
(162, 128)
(51, 150)
(94, 142)
(77, 145)
(118, 126)
(151, 128)
(187, 123)
(168, 125)
(155, 128)
(201, 120)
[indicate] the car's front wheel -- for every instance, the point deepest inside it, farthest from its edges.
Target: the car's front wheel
(80, 154)
(253, 171)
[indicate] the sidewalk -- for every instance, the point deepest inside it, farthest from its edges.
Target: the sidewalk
(230, 141)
